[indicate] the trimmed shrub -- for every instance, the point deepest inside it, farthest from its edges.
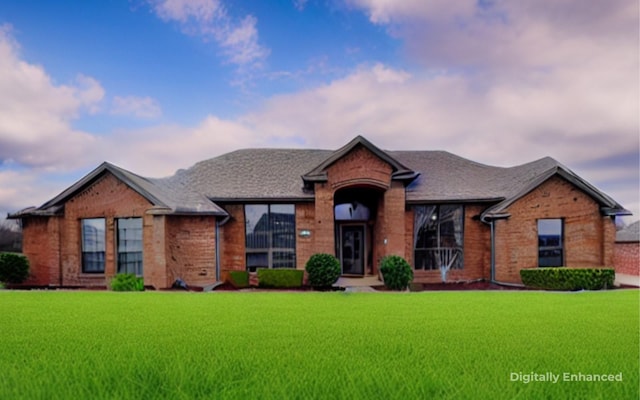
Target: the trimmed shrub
(239, 279)
(280, 278)
(14, 268)
(396, 272)
(127, 283)
(323, 270)
(561, 278)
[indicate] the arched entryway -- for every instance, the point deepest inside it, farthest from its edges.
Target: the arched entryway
(355, 214)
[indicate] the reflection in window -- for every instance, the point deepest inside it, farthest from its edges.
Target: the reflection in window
(270, 236)
(438, 236)
(550, 243)
(354, 211)
(130, 246)
(93, 246)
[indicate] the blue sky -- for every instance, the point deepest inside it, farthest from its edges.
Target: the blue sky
(154, 86)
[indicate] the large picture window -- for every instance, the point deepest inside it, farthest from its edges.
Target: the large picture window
(130, 246)
(93, 245)
(550, 242)
(438, 236)
(270, 236)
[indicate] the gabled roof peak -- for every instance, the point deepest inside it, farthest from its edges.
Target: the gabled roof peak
(400, 171)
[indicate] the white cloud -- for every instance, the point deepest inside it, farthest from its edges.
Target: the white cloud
(525, 83)
(36, 114)
(209, 19)
(139, 107)
(504, 34)
(300, 4)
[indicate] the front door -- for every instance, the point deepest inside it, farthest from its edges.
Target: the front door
(352, 249)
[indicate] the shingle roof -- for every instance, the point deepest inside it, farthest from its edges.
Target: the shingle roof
(278, 175)
(630, 233)
(167, 197)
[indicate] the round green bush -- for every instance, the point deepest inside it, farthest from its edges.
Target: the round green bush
(396, 272)
(323, 270)
(14, 268)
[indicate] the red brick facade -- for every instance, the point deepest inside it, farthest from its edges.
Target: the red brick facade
(173, 246)
(588, 236)
(626, 258)
(201, 249)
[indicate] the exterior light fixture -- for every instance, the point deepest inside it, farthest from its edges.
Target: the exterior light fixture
(305, 233)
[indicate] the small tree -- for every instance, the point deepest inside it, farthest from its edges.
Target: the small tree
(396, 272)
(14, 268)
(323, 270)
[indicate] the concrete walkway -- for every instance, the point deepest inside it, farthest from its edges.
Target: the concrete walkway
(363, 284)
(627, 280)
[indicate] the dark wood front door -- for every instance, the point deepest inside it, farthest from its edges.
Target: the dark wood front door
(352, 249)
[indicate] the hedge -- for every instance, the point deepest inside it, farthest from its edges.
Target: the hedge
(127, 283)
(239, 279)
(14, 268)
(280, 278)
(561, 278)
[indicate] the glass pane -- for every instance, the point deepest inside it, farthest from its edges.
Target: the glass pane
(271, 229)
(438, 236)
(130, 245)
(257, 226)
(93, 245)
(550, 246)
(284, 259)
(352, 248)
(283, 225)
(93, 233)
(354, 211)
(257, 260)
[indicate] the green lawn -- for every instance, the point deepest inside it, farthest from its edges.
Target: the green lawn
(316, 345)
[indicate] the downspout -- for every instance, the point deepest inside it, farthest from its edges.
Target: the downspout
(219, 223)
(217, 247)
(492, 277)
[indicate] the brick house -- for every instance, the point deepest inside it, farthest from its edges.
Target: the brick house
(627, 250)
(274, 208)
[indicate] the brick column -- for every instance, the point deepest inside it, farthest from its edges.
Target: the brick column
(393, 228)
(324, 235)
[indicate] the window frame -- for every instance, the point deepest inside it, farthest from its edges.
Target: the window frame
(560, 246)
(270, 251)
(101, 259)
(459, 262)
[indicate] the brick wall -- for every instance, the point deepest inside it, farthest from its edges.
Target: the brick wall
(41, 245)
(232, 241)
(627, 258)
(359, 166)
(107, 198)
(190, 249)
(173, 246)
(588, 236)
(305, 218)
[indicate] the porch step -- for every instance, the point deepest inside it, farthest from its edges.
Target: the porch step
(365, 281)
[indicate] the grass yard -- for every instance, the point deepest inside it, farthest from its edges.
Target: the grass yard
(317, 345)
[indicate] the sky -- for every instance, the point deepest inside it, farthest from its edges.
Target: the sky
(158, 85)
